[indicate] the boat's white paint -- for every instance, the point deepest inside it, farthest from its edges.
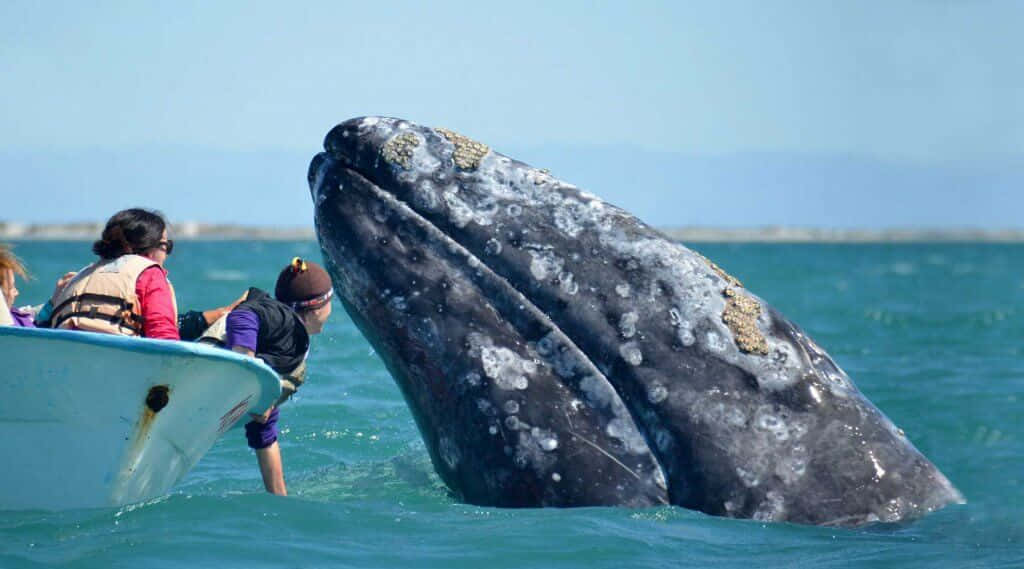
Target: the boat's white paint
(75, 430)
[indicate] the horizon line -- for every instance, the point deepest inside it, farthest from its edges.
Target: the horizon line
(198, 231)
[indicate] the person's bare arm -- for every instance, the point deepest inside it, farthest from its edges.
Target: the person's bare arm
(272, 469)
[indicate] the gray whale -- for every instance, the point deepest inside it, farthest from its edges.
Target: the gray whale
(556, 351)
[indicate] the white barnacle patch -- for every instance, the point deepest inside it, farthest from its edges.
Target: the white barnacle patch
(627, 324)
(568, 217)
(768, 421)
(424, 196)
(484, 211)
(622, 290)
(623, 428)
(449, 452)
(505, 367)
(533, 448)
(597, 391)
(630, 351)
(686, 336)
(544, 263)
(734, 416)
(568, 283)
(493, 247)
(657, 393)
(398, 304)
(379, 211)
(722, 414)
(793, 466)
(748, 477)
(425, 332)
(511, 407)
(459, 212)
(472, 378)
(559, 356)
(547, 344)
(564, 362)
(475, 341)
(730, 507)
(772, 508)
(545, 439)
(715, 342)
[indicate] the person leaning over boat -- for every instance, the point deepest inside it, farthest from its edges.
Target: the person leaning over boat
(126, 291)
(276, 330)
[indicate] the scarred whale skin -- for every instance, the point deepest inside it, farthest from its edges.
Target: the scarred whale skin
(557, 351)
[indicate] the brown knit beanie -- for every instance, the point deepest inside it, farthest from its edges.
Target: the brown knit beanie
(303, 285)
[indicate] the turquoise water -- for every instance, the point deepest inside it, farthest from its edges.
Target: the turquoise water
(932, 334)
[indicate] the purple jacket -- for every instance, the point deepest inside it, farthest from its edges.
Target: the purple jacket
(22, 318)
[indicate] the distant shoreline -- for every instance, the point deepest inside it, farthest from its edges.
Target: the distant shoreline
(84, 231)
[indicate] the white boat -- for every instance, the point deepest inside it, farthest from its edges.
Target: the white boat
(95, 420)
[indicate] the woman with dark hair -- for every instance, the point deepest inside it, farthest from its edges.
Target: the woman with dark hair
(126, 291)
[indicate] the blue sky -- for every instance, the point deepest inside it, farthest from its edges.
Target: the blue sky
(116, 104)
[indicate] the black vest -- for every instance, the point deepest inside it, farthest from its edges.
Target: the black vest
(282, 340)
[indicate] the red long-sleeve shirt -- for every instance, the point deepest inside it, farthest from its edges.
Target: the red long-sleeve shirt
(156, 302)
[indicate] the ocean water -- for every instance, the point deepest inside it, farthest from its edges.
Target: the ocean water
(931, 333)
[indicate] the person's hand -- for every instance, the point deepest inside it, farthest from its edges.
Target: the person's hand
(63, 282)
(214, 314)
(262, 417)
(240, 300)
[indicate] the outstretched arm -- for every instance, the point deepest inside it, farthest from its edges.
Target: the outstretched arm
(261, 433)
(272, 469)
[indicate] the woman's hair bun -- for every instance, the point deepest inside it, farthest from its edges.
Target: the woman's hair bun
(112, 243)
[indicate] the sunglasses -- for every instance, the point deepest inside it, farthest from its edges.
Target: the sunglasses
(167, 246)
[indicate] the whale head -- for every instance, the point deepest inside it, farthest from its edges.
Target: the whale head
(556, 350)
